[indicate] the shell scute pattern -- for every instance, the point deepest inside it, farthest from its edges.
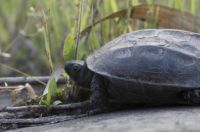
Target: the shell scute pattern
(155, 56)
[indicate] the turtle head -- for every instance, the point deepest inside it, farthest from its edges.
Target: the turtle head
(79, 72)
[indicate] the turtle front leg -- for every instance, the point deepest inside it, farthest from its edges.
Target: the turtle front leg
(99, 95)
(192, 96)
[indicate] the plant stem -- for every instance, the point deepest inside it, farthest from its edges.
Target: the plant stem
(80, 6)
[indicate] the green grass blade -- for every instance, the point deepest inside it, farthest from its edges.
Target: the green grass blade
(69, 48)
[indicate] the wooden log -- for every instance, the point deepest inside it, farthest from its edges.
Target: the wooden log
(45, 107)
(41, 120)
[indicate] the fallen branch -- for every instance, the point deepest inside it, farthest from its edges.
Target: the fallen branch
(44, 107)
(30, 80)
(6, 115)
(41, 120)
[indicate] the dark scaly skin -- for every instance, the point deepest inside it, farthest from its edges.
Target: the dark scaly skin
(103, 90)
(99, 95)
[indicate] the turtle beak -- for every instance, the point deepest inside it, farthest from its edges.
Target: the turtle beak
(68, 67)
(69, 70)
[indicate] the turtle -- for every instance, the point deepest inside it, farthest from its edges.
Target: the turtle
(144, 67)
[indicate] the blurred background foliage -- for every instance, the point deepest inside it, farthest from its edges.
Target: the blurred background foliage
(33, 33)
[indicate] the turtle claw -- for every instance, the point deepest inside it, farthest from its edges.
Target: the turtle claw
(94, 111)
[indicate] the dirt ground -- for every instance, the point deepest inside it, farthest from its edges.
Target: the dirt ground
(165, 119)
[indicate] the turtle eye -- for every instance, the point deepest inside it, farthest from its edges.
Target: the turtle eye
(76, 68)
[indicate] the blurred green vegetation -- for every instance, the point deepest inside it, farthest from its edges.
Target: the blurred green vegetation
(33, 33)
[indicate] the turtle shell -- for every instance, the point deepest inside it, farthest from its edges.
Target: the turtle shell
(152, 56)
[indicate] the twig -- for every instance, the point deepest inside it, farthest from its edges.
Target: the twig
(78, 26)
(44, 107)
(6, 115)
(18, 71)
(31, 80)
(95, 6)
(41, 120)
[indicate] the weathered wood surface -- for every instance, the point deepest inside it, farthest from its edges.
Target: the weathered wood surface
(171, 119)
